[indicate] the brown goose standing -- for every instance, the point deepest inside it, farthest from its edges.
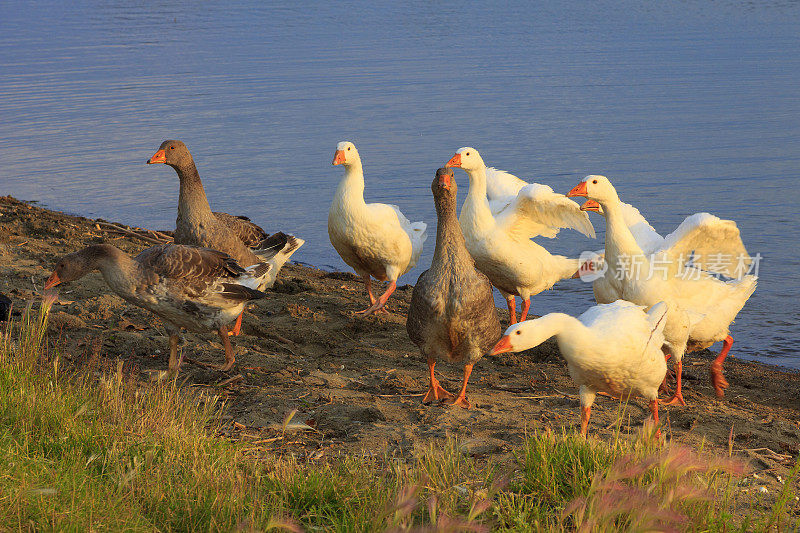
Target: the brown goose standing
(452, 311)
(189, 287)
(238, 237)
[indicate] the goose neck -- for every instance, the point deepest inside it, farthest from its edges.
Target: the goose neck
(118, 269)
(192, 199)
(476, 205)
(619, 239)
(450, 245)
(557, 324)
(352, 185)
(570, 333)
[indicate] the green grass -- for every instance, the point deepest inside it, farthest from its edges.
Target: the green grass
(96, 450)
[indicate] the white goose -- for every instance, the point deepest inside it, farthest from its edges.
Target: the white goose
(701, 236)
(701, 306)
(374, 239)
(613, 348)
(498, 232)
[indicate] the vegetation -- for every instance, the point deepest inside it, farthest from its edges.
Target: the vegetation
(93, 449)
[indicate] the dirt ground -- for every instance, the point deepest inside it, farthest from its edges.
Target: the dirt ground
(356, 383)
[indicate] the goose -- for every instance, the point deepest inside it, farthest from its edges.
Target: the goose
(236, 236)
(188, 287)
(498, 233)
(375, 240)
(700, 229)
(452, 313)
(702, 307)
(613, 348)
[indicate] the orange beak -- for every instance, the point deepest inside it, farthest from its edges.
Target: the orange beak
(338, 158)
(578, 190)
(444, 181)
(455, 161)
(158, 157)
(590, 205)
(502, 346)
(52, 281)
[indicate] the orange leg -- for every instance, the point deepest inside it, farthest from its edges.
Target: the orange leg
(230, 357)
(586, 412)
(461, 400)
(435, 390)
(237, 327)
(526, 305)
(717, 377)
(380, 302)
(368, 285)
(664, 387)
(654, 410)
(677, 398)
(669, 375)
(512, 309)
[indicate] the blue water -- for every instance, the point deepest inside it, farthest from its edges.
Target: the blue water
(686, 106)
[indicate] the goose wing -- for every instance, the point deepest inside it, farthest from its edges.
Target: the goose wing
(249, 233)
(537, 210)
(198, 270)
(714, 244)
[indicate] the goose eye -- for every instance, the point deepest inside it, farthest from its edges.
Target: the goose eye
(348, 148)
(171, 147)
(467, 153)
(594, 181)
(518, 332)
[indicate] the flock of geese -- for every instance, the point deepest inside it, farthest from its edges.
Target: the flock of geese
(219, 262)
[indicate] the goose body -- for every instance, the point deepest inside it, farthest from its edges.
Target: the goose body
(613, 348)
(194, 288)
(701, 306)
(376, 240)
(452, 314)
(498, 230)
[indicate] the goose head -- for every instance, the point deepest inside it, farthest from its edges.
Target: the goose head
(77, 264)
(591, 205)
(522, 336)
(597, 189)
(466, 158)
(444, 189)
(444, 184)
(173, 153)
(346, 154)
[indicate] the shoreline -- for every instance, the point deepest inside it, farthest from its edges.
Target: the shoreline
(356, 382)
(332, 269)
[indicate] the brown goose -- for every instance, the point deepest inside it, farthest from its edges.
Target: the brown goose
(238, 237)
(196, 224)
(189, 287)
(452, 311)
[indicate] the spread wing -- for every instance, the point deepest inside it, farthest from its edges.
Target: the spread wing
(537, 210)
(250, 234)
(714, 244)
(500, 184)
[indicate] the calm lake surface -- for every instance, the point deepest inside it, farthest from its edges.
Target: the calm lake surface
(686, 106)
